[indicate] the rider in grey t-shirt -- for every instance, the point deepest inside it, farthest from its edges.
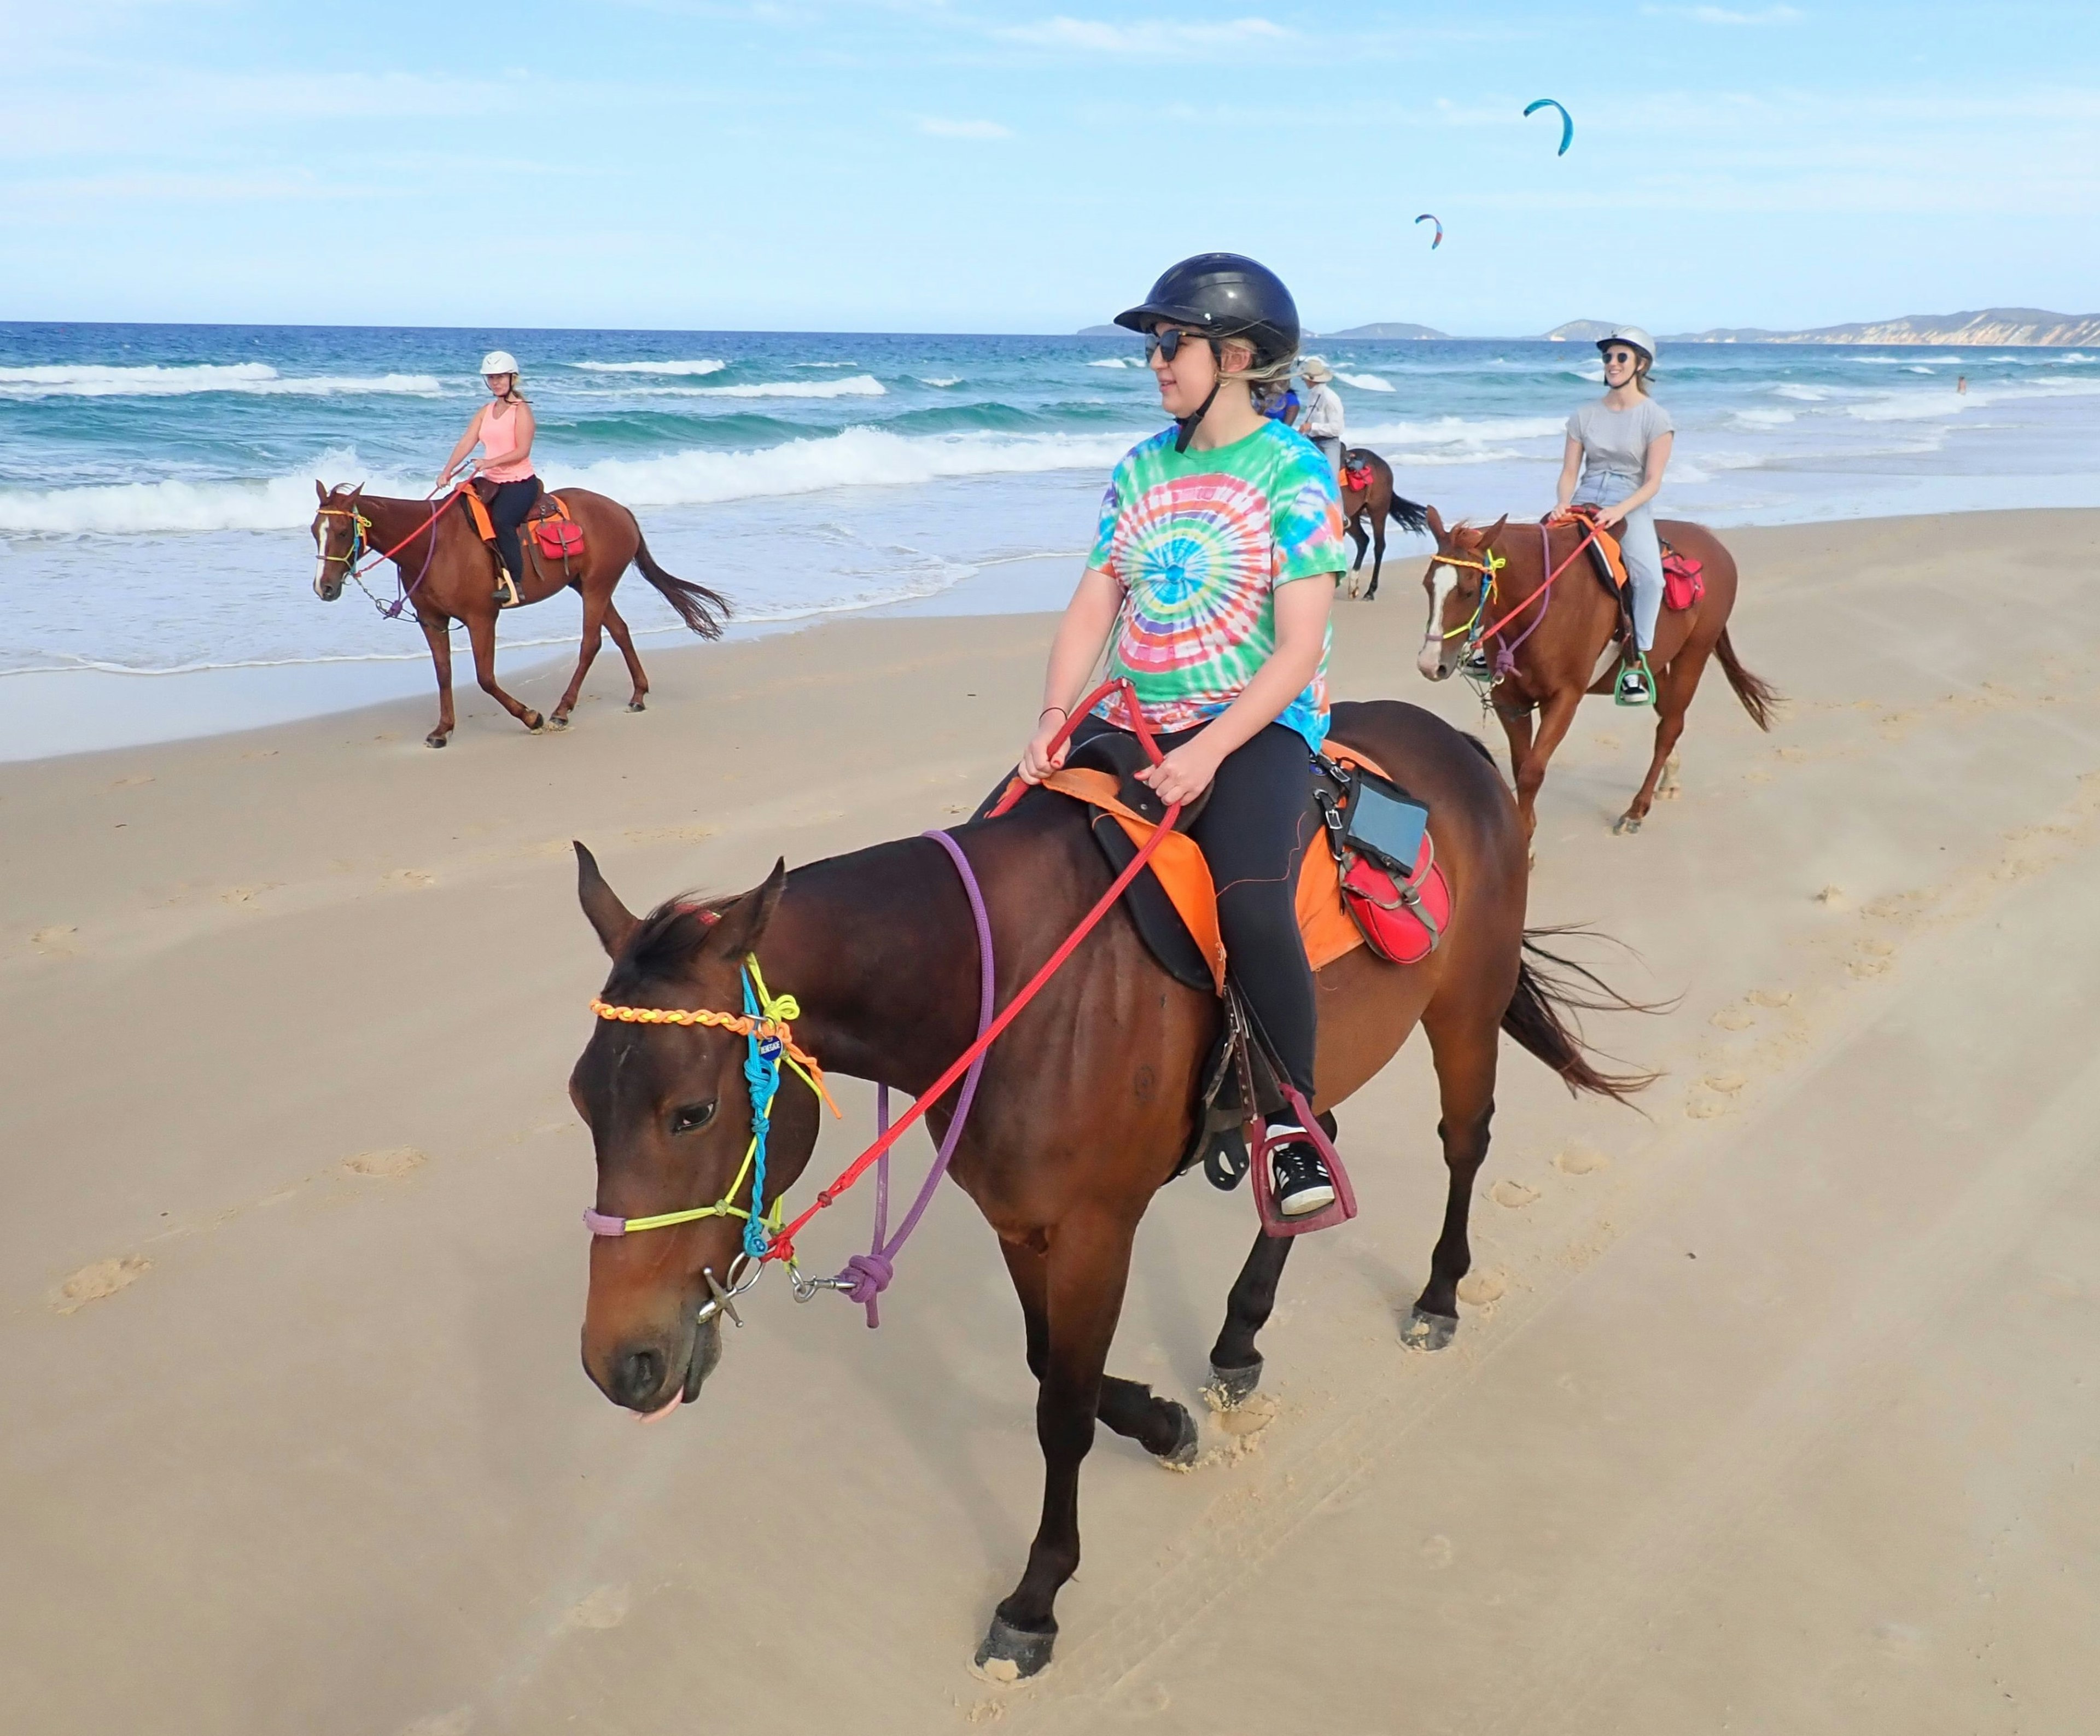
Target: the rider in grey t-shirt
(1617, 448)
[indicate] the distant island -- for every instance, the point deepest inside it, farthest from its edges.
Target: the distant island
(1991, 326)
(1102, 331)
(1388, 329)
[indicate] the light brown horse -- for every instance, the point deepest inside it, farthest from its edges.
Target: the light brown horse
(1379, 502)
(1563, 644)
(448, 574)
(1085, 1104)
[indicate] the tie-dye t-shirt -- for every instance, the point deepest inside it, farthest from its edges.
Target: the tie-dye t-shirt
(1199, 541)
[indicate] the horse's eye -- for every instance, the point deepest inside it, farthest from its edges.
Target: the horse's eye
(691, 1117)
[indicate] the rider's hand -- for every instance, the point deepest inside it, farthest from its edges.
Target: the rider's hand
(1184, 775)
(1607, 516)
(1037, 761)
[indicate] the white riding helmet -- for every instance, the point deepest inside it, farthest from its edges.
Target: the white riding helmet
(1634, 338)
(499, 361)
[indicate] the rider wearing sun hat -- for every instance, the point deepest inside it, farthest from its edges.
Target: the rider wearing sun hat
(1323, 421)
(503, 427)
(1193, 586)
(1619, 447)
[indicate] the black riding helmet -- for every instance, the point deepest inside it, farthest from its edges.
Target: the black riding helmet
(1222, 295)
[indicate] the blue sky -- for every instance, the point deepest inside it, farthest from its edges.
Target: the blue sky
(940, 165)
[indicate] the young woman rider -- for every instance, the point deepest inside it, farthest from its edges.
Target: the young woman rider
(1206, 531)
(1620, 446)
(503, 428)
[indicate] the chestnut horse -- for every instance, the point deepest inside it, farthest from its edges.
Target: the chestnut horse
(1559, 642)
(1083, 1108)
(1381, 503)
(448, 575)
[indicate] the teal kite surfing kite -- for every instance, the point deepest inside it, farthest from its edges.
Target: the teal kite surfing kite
(1566, 121)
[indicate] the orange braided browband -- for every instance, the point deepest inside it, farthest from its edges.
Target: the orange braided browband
(744, 1024)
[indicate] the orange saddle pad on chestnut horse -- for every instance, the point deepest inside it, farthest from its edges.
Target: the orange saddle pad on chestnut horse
(556, 536)
(1174, 902)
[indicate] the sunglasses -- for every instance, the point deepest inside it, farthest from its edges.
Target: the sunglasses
(1168, 344)
(1618, 356)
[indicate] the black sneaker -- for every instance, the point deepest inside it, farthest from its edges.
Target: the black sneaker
(1477, 664)
(1633, 685)
(1298, 1172)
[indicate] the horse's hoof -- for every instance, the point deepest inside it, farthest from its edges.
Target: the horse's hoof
(638, 705)
(1228, 1389)
(558, 721)
(534, 721)
(1011, 1654)
(1623, 824)
(1182, 1455)
(1427, 1332)
(434, 739)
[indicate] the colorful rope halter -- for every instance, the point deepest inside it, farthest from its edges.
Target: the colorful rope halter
(764, 1025)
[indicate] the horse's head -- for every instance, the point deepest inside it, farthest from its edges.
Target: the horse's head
(339, 529)
(1455, 580)
(670, 1115)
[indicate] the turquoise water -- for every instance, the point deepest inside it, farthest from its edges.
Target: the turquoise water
(157, 482)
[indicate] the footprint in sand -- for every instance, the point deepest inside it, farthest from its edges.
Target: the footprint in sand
(1833, 898)
(1607, 741)
(244, 898)
(1514, 1194)
(1734, 1018)
(409, 877)
(1772, 997)
(669, 834)
(91, 1284)
(1793, 755)
(1482, 1288)
(456, 1722)
(133, 781)
(396, 1160)
(56, 942)
(1707, 1108)
(604, 1607)
(1437, 1552)
(1757, 777)
(261, 753)
(1727, 1084)
(1580, 1161)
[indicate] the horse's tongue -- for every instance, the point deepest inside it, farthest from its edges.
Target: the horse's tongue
(677, 1398)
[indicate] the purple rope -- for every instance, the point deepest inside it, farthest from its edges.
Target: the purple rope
(867, 1275)
(1506, 650)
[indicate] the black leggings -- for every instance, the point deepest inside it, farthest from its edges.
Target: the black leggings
(506, 512)
(1254, 832)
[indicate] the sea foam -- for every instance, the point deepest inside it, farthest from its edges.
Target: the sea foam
(687, 368)
(153, 380)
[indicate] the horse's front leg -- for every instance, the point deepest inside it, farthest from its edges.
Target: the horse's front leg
(437, 632)
(1085, 1266)
(1556, 716)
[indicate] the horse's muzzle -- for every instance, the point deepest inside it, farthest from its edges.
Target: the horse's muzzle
(640, 1376)
(1435, 660)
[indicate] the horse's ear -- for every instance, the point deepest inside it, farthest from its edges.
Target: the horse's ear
(357, 491)
(614, 922)
(1494, 530)
(1435, 525)
(320, 493)
(737, 931)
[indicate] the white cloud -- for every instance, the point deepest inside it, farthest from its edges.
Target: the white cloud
(1722, 15)
(936, 127)
(1152, 38)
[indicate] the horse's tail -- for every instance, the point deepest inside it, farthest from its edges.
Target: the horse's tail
(1536, 1019)
(1408, 516)
(1758, 695)
(702, 610)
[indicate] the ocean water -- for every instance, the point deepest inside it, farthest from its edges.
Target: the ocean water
(157, 482)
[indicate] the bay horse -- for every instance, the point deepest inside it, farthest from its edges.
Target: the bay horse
(1084, 1106)
(447, 575)
(1551, 652)
(1380, 502)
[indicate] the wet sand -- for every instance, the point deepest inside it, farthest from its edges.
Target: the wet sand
(1772, 1409)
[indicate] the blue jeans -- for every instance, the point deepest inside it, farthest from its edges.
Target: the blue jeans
(1637, 543)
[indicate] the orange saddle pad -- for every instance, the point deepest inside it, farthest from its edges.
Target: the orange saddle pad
(1178, 864)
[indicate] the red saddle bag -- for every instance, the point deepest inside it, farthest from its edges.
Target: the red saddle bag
(1683, 580)
(559, 537)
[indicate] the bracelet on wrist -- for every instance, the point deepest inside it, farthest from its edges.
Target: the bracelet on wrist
(1048, 709)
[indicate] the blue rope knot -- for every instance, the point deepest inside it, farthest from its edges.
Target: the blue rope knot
(761, 1074)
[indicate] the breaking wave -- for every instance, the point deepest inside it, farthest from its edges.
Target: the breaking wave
(153, 380)
(685, 369)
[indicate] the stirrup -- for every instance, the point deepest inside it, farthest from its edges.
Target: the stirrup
(506, 589)
(1630, 672)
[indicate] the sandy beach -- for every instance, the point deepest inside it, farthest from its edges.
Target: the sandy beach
(1772, 1409)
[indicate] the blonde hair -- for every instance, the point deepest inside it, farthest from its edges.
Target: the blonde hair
(1642, 366)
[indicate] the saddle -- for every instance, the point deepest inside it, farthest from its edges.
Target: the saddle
(1683, 580)
(1357, 472)
(548, 532)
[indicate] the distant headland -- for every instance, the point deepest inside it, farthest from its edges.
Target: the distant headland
(1997, 327)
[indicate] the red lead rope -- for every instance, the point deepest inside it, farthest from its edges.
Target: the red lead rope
(1590, 537)
(782, 1245)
